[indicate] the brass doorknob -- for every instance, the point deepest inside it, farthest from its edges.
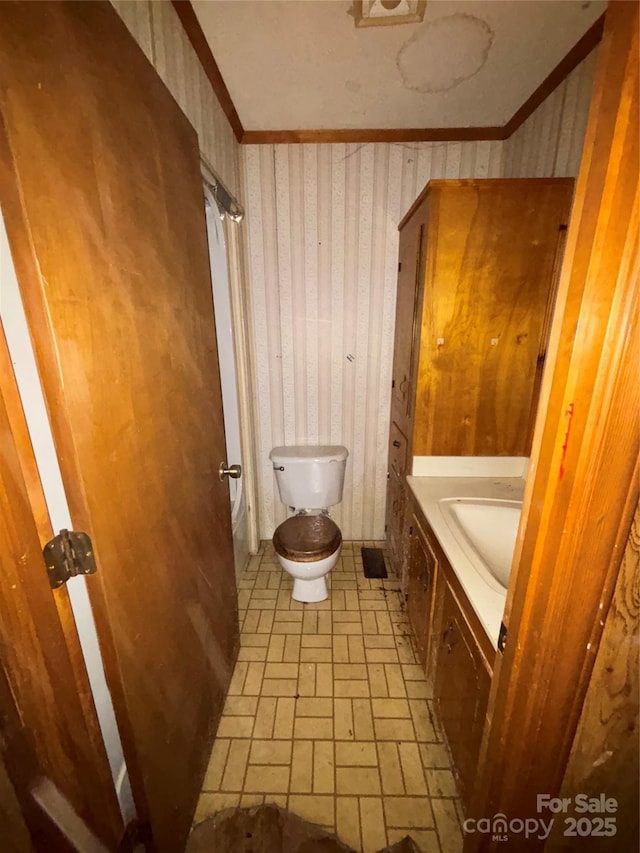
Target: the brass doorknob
(233, 471)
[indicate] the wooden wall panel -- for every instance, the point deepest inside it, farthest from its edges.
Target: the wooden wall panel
(604, 757)
(491, 254)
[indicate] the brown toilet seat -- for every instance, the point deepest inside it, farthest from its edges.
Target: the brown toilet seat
(307, 538)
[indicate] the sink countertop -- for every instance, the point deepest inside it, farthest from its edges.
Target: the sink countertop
(429, 491)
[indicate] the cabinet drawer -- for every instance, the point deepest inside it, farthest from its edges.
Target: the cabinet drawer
(397, 451)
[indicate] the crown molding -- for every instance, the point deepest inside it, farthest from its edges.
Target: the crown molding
(427, 134)
(194, 32)
(192, 28)
(578, 52)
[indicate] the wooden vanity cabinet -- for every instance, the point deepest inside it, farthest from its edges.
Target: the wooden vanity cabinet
(397, 494)
(396, 513)
(422, 570)
(452, 646)
(461, 690)
(476, 285)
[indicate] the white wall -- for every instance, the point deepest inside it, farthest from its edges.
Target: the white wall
(549, 143)
(322, 243)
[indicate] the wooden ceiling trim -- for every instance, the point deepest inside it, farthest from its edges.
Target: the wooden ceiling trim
(427, 134)
(198, 40)
(578, 52)
(199, 43)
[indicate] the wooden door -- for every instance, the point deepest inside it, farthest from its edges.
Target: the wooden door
(101, 192)
(49, 729)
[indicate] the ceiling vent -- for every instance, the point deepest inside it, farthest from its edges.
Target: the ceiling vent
(380, 13)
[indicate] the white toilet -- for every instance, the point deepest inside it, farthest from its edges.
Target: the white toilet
(310, 480)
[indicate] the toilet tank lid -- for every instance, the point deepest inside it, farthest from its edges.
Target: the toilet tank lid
(316, 453)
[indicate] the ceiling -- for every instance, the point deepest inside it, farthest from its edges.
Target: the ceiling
(303, 64)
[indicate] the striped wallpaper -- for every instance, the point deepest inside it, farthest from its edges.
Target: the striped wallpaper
(549, 143)
(321, 235)
(322, 245)
(322, 251)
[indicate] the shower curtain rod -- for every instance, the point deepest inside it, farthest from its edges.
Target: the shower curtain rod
(227, 204)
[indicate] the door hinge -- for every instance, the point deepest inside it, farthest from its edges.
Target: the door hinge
(502, 637)
(68, 554)
(399, 266)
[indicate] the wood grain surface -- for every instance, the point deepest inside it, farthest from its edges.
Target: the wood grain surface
(101, 190)
(491, 251)
(579, 506)
(49, 727)
(604, 757)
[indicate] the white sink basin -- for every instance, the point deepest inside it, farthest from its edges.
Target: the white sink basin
(488, 528)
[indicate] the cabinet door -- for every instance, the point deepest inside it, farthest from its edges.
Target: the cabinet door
(395, 524)
(461, 692)
(421, 579)
(398, 451)
(410, 275)
(489, 282)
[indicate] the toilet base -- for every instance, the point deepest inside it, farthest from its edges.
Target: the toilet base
(309, 591)
(309, 579)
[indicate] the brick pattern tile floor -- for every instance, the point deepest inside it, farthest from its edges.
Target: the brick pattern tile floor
(329, 713)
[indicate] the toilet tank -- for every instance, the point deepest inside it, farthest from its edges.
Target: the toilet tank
(310, 477)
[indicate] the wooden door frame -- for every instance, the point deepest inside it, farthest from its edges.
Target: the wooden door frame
(582, 494)
(23, 754)
(27, 271)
